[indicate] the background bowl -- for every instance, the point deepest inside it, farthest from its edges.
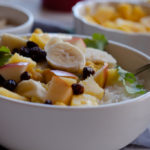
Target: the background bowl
(137, 40)
(22, 18)
(33, 126)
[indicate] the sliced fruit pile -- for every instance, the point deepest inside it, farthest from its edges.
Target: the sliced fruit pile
(54, 70)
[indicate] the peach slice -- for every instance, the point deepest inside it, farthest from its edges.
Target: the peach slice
(78, 42)
(59, 91)
(101, 75)
(48, 74)
(13, 71)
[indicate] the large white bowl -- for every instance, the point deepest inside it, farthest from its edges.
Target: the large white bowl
(17, 15)
(82, 26)
(32, 126)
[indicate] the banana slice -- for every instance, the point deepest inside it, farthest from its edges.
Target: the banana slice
(52, 41)
(12, 41)
(65, 56)
(146, 21)
(98, 56)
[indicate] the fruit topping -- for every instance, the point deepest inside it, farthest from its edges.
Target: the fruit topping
(88, 71)
(77, 88)
(25, 76)
(10, 85)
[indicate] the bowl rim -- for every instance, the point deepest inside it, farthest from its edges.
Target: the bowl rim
(82, 4)
(26, 12)
(102, 106)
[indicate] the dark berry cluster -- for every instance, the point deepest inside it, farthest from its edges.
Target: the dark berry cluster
(31, 50)
(25, 76)
(87, 71)
(8, 84)
(77, 88)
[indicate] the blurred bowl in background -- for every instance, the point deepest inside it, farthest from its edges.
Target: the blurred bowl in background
(82, 26)
(15, 19)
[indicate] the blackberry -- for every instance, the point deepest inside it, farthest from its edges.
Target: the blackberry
(48, 102)
(37, 54)
(25, 76)
(2, 80)
(87, 71)
(10, 84)
(31, 44)
(77, 88)
(15, 50)
(24, 51)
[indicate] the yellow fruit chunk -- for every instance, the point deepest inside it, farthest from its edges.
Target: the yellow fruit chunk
(90, 19)
(104, 13)
(60, 104)
(84, 100)
(125, 10)
(112, 76)
(138, 13)
(38, 30)
(7, 93)
(59, 91)
(93, 65)
(18, 58)
(92, 88)
(35, 99)
(40, 39)
(69, 81)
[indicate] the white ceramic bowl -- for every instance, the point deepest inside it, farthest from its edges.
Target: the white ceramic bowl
(25, 125)
(137, 40)
(17, 15)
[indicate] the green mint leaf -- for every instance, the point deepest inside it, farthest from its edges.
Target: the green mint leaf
(129, 81)
(4, 49)
(98, 41)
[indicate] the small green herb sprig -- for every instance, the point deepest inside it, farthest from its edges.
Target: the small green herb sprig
(130, 82)
(98, 41)
(5, 54)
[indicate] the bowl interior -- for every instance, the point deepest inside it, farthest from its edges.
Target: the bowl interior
(13, 15)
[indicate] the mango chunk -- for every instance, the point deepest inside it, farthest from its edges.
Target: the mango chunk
(7, 93)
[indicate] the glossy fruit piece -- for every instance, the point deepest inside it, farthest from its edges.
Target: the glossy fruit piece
(48, 74)
(13, 71)
(84, 100)
(101, 76)
(59, 91)
(112, 76)
(16, 58)
(69, 81)
(92, 88)
(7, 93)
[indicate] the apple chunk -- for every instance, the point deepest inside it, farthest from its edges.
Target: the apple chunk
(13, 71)
(59, 91)
(92, 88)
(101, 76)
(78, 42)
(48, 74)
